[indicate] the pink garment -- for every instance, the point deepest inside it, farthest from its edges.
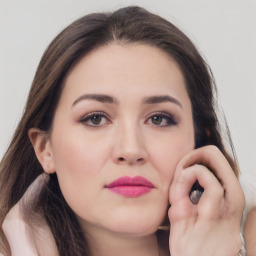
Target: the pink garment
(24, 239)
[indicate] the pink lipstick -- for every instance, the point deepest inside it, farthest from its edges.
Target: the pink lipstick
(130, 186)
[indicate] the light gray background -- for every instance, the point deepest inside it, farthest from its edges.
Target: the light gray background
(224, 31)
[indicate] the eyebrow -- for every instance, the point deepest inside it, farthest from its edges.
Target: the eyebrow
(97, 97)
(161, 99)
(111, 100)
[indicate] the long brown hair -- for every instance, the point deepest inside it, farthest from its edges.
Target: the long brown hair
(19, 166)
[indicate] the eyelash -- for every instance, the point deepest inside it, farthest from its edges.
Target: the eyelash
(88, 118)
(169, 119)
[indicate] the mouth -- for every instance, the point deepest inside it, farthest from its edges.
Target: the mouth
(130, 186)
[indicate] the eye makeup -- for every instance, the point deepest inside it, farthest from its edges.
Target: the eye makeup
(95, 119)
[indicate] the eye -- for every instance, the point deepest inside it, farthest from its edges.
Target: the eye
(95, 119)
(161, 120)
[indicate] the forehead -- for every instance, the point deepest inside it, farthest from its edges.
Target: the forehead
(116, 68)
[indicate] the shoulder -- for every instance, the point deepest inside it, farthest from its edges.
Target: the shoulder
(247, 181)
(250, 232)
(24, 236)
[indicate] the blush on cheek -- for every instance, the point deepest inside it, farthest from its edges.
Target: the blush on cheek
(168, 159)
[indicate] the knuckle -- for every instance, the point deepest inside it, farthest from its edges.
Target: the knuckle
(219, 191)
(201, 168)
(182, 176)
(212, 149)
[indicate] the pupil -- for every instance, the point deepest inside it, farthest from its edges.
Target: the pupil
(157, 120)
(96, 119)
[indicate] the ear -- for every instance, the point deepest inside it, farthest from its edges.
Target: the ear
(43, 150)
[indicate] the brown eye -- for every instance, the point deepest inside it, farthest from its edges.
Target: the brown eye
(161, 120)
(95, 119)
(157, 120)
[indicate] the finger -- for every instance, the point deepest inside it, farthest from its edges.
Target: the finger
(212, 200)
(181, 206)
(212, 158)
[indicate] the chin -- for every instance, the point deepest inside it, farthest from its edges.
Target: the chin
(136, 225)
(136, 231)
(136, 220)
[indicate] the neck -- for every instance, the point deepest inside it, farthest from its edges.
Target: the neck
(104, 243)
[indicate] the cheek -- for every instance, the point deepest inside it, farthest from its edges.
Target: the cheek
(166, 155)
(78, 163)
(78, 154)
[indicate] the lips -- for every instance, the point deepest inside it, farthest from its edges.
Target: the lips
(130, 186)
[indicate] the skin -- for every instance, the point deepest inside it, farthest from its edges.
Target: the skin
(250, 233)
(95, 140)
(212, 227)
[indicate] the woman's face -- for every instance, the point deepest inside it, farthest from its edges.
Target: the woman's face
(124, 112)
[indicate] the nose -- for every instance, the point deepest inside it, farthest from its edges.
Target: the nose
(129, 146)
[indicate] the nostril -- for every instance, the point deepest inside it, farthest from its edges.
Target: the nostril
(131, 160)
(121, 159)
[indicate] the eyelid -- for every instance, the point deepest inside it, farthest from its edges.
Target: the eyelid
(163, 114)
(87, 117)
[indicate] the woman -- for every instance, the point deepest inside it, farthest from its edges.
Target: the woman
(121, 120)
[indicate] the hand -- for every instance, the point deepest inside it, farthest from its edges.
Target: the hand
(211, 227)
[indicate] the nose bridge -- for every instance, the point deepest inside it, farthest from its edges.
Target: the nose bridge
(129, 143)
